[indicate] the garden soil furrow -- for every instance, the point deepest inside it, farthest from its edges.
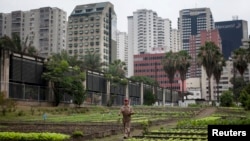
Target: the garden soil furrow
(92, 131)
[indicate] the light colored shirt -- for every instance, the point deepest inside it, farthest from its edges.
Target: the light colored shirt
(126, 111)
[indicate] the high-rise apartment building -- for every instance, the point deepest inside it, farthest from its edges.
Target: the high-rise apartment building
(90, 27)
(175, 40)
(45, 28)
(147, 33)
(192, 21)
(232, 33)
(122, 47)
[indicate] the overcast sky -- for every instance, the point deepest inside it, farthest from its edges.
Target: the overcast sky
(222, 10)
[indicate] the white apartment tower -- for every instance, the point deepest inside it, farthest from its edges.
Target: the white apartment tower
(147, 33)
(163, 34)
(122, 47)
(90, 27)
(45, 28)
(175, 40)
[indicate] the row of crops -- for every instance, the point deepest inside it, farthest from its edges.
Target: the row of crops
(195, 129)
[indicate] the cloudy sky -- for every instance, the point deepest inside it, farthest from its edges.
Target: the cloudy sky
(223, 10)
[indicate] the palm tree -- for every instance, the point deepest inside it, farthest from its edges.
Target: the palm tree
(208, 57)
(217, 72)
(117, 68)
(15, 38)
(92, 61)
(182, 66)
(7, 43)
(240, 60)
(15, 44)
(145, 80)
(26, 47)
(169, 63)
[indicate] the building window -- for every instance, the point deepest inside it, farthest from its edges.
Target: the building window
(91, 43)
(97, 30)
(97, 18)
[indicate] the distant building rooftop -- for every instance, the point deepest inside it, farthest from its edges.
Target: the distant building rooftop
(90, 8)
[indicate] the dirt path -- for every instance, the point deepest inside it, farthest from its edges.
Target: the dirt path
(204, 113)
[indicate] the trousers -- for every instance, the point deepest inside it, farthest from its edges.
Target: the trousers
(126, 127)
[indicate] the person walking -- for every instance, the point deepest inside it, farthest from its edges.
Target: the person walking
(126, 111)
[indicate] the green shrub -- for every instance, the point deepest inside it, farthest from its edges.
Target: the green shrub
(17, 136)
(77, 133)
(226, 99)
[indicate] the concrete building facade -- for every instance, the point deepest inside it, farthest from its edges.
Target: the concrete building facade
(122, 47)
(90, 27)
(45, 28)
(150, 65)
(147, 33)
(192, 21)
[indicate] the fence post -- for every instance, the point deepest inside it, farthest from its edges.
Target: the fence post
(141, 84)
(108, 92)
(23, 91)
(163, 96)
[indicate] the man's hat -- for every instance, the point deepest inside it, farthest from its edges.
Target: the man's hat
(126, 99)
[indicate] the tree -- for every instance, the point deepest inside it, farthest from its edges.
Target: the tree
(64, 77)
(15, 44)
(245, 97)
(117, 68)
(182, 66)
(169, 63)
(144, 79)
(208, 58)
(92, 61)
(148, 98)
(7, 43)
(240, 60)
(238, 84)
(226, 99)
(218, 71)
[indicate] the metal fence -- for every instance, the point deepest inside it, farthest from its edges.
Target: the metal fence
(26, 83)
